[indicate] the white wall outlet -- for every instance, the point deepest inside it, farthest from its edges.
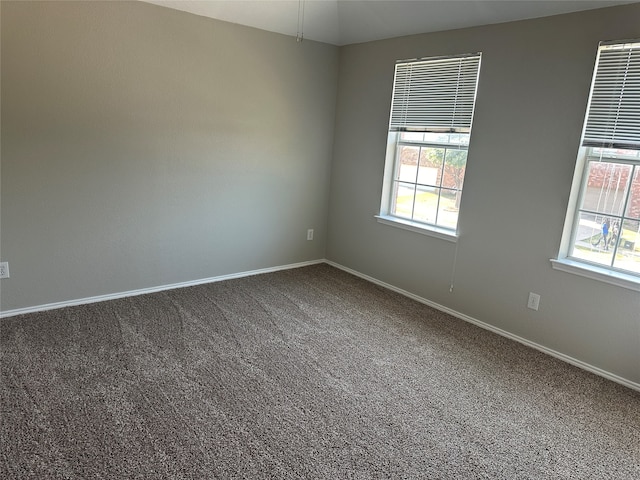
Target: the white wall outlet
(534, 301)
(310, 234)
(4, 269)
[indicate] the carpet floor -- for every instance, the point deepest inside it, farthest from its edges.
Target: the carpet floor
(307, 373)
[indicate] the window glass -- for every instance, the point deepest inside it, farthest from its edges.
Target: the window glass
(455, 164)
(633, 205)
(412, 136)
(606, 187)
(403, 198)
(607, 232)
(431, 164)
(448, 209)
(407, 163)
(426, 204)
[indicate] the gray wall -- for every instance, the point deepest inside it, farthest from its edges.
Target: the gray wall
(533, 90)
(143, 146)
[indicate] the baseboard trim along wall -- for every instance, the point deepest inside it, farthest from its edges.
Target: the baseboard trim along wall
(142, 291)
(442, 308)
(499, 331)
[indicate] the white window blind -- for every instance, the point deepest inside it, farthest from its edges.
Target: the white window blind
(613, 116)
(435, 95)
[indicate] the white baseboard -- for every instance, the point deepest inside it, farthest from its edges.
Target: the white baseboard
(499, 331)
(142, 291)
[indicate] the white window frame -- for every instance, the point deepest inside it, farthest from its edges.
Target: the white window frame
(414, 111)
(612, 122)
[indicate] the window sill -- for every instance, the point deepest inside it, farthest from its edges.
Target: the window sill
(597, 273)
(421, 228)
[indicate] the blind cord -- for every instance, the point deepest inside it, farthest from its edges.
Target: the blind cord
(300, 26)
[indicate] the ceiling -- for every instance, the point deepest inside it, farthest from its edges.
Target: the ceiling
(342, 22)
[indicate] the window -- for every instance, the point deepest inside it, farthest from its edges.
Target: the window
(605, 225)
(429, 131)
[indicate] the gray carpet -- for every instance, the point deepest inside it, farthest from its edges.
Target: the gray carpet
(306, 373)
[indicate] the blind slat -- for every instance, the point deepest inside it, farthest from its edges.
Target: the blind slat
(435, 95)
(613, 116)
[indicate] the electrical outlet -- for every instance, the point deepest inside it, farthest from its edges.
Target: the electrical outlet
(534, 301)
(310, 234)
(4, 269)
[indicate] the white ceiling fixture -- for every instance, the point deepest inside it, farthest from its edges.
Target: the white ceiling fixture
(343, 22)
